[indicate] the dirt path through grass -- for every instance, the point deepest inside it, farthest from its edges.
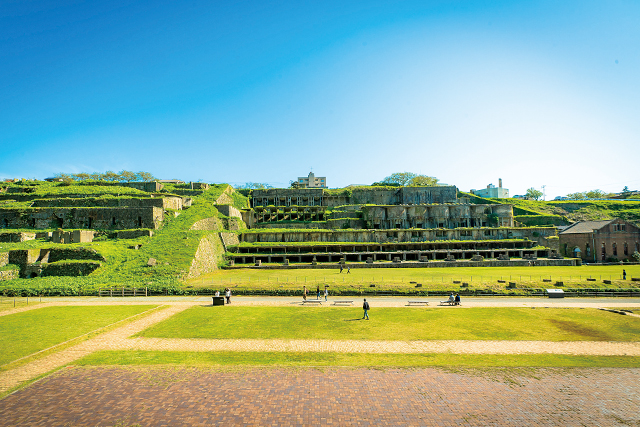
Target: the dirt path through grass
(590, 348)
(119, 339)
(14, 377)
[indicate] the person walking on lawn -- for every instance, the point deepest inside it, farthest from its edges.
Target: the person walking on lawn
(366, 308)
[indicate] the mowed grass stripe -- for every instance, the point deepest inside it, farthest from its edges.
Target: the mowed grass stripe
(330, 323)
(225, 358)
(28, 332)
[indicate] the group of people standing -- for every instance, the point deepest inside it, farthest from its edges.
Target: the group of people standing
(227, 295)
(326, 292)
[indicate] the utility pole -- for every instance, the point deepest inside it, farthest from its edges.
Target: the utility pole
(544, 194)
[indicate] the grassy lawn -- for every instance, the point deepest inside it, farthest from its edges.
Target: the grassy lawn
(25, 333)
(343, 323)
(431, 278)
(149, 358)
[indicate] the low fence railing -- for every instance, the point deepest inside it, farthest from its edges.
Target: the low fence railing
(123, 292)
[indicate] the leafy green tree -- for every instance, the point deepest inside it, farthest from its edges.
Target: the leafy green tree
(423, 181)
(127, 176)
(400, 178)
(403, 179)
(636, 256)
(145, 176)
(577, 196)
(81, 176)
(65, 177)
(595, 194)
(625, 192)
(110, 176)
(533, 193)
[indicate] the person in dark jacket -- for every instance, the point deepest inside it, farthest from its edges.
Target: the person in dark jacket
(365, 307)
(457, 300)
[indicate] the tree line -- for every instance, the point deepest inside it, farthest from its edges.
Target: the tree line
(534, 194)
(122, 176)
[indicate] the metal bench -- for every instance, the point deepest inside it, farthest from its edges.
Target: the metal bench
(418, 303)
(447, 302)
(342, 302)
(312, 301)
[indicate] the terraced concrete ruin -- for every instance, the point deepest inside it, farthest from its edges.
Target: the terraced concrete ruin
(360, 227)
(386, 227)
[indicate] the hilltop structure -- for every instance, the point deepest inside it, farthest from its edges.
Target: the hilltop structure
(311, 181)
(493, 192)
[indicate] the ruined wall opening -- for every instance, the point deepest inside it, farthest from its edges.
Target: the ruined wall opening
(5, 223)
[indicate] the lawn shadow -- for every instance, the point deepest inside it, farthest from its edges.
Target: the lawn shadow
(352, 320)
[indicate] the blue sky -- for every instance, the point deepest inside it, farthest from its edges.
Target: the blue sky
(533, 92)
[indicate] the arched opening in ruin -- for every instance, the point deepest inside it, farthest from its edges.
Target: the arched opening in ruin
(139, 221)
(32, 275)
(58, 222)
(5, 223)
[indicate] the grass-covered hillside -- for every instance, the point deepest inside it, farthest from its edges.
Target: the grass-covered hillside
(534, 212)
(172, 246)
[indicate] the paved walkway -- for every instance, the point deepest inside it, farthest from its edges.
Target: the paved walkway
(147, 396)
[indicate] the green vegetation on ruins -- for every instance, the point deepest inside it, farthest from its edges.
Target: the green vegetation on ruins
(173, 245)
(340, 323)
(536, 212)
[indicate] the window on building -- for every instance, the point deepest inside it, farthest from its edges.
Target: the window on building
(626, 248)
(621, 227)
(614, 249)
(588, 250)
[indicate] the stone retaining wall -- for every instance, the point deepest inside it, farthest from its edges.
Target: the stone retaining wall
(9, 274)
(208, 256)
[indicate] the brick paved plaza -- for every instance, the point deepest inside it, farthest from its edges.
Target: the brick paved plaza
(108, 396)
